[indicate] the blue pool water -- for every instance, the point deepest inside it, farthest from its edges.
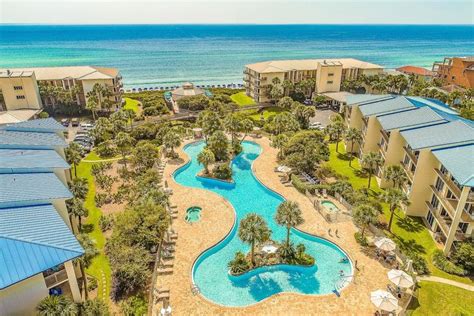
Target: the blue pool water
(248, 195)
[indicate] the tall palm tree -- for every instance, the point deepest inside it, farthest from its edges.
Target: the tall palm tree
(90, 251)
(79, 188)
(77, 209)
(57, 306)
(289, 215)
(396, 174)
(364, 215)
(394, 198)
(206, 157)
(95, 307)
(73, 156)
(371, 162)
(246, 126)
(279, 141)
(124, 143)
(354, 136)
(253, 230)
(232, 124)
(92, 106)
(171, 140)
(335, 130)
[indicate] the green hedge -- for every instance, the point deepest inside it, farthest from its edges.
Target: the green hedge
(441, 262)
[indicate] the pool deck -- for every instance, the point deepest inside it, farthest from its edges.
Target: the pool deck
(217, 218)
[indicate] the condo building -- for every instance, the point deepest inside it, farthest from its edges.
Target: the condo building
(327, 73)
(37, 242)
(19, 87)
(457, 71)
(435, 147)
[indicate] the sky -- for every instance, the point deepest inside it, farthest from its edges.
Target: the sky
(237, 11)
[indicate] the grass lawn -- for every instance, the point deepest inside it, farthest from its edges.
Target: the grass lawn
(267, 112)
(441, 299)
(100, 264)
(131, 104)
(241, 99)
(409, 232)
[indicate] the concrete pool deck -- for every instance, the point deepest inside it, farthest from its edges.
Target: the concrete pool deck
(217, 218)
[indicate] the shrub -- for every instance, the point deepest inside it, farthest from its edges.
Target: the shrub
(194, 103)
(236, 148)
(43, 115)
(239, 264)
(91, 283)
(134, 306)
(106, 222)
(464, 256)
(441, 262)
(222, 171)
(419, 264)
(102, 199)
(361, 240)
(106, 149)
(302, 257)
(298, 184)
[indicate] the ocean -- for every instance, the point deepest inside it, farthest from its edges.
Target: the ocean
(160, 55)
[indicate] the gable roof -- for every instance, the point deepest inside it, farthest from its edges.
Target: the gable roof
(28, 188)
(417, 117)
(384, 106)
(28, 159)
(47, 125)
(273, 66)
(33, 239)
(420, 71)
(17, 139)
(73, 72)
(459, 161)
(451, 134)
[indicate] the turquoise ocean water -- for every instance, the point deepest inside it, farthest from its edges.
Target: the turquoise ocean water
(157, 55)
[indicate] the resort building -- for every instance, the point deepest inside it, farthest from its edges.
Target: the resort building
(418, 72)
(37, 242)
(186, 90)
(327, 73)
(20, 86)
(457, 71)
(435, 147)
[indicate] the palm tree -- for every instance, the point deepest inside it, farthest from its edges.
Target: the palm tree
(232, 124)
(354, 136)
(124, 143)
(130, 115)
(285, 103)
(289, 214)
(77, 209)
(90, 251)
(92, 106)
(279, 141)
(394, 198)
(206, 157)
(73, 156)
(57, 306)
(246, 126)
(79, 188)
(396, 174)
(95, 307)
(253, 230)
(364, 215)
(335, 130)
(371, 162)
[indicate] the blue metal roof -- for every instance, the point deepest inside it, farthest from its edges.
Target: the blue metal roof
(454, 133)
(33, 239)
(459, 161)
(30, 140)
(360, 99)
(19, 189)
(417, 117)
(385, 106)
(12, 160)
(47, 125)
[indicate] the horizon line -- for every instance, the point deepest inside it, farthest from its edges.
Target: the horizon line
(235, 24)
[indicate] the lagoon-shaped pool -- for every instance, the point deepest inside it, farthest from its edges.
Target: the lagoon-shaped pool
(248, 195)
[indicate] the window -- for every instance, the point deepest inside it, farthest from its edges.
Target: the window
(443, 212)
(463, 227)
(430, 218)
(450, 195)
(434, 202)
(329, 82)
(20, 97)
(16, 88)
(406, 160)
(413, 168)
(439, 184)
(443, 170)
(469, 208)
(330, 74)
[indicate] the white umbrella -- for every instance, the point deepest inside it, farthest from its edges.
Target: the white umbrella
(400, 278)
(384, 300)
(284, 169)
(385, 244)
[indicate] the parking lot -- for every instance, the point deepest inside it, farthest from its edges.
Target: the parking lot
(323, 117)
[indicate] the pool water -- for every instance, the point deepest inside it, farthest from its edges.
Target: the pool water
(193, 214)
(330, 206)
(248, 195)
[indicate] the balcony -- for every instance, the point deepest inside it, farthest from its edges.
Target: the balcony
(449, 205)
(408, 170)
(443, 222)
(410, 154)
(450, 183)
(56, 278)
(384, 135)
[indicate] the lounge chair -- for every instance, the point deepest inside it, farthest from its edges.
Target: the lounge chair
(325, 194)
(162, 296)
(166, 264)
(164, 270)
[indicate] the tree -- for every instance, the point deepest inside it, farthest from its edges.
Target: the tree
(219, 145)
(92, 106)
(279, 142)
(364, 215)
(275, 91)
(354, 136)
(210, 122)
(303, 113)
(130, 115)
(253, 230)
(206, 157)
(233, 125)
(102, 130)
(284, 122)
(285, 102)
(95, 307)
(124, 142)
(79, 188)
(289, 215)
(57, 305)
(335, 131)
(396, 174)
(171, 140)
(77, 209)
(246, 126)
(464, 255)
(394, 198)
(145, 156)
(371, 162)
(90, 251)
(73, 156)
(305, 149)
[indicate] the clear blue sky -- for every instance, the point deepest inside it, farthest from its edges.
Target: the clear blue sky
(237, 11)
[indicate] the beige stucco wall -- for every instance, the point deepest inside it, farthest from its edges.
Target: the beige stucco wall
(88, 84)
(21, 299)
(323, 78)
(394, 154)
(355, 122)
(372, 135)
(30, 90)
(370, 72)
(424, 176)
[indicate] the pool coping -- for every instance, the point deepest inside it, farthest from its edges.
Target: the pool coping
(183, 165)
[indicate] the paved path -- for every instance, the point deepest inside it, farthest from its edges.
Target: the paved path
(102, 160)
(447, 281)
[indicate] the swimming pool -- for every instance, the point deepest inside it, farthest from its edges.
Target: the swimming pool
(193, 214)
(247, 195)
(330, 206)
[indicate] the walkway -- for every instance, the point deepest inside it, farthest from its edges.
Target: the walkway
(446, 281)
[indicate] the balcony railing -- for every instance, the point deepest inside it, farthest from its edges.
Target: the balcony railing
(450, 183)
(408, 171)
(56, 278)
(441, 221)
(384, 135)
(410, 154)
(449, 205)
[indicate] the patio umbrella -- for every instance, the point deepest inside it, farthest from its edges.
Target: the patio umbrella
(400, 278)
(384, 300)
(385, 244)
